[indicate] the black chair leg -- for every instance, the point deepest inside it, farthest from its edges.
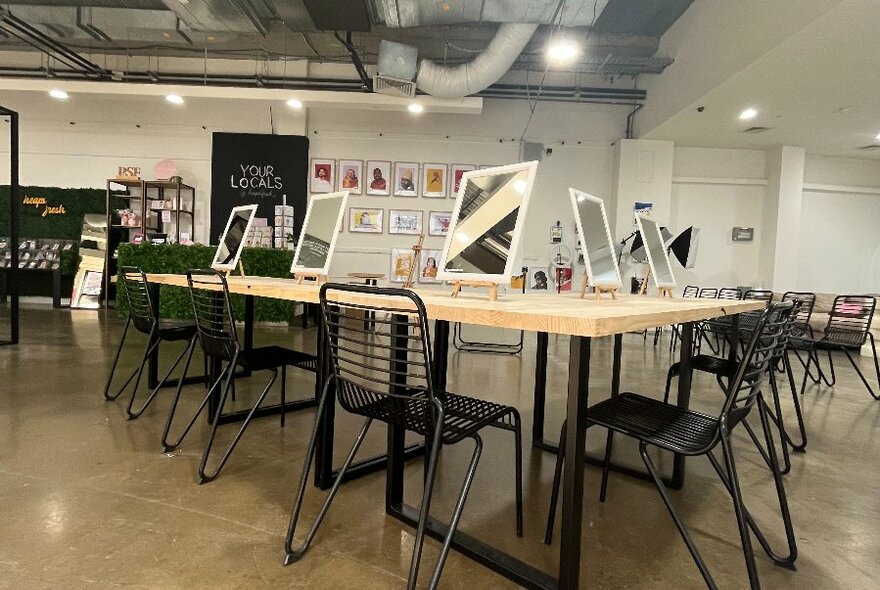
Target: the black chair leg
(456, 515)
(779, 422)
(798, 447)
(205, 477)
(682, 529)
(674, 370)
(554, 490)
(428, 492)
(606, 465)
(137, 373)
(283, 392)
(132, 414)
(107, 395)
(221, 378)
(861, 375)
(739, 508)
(518, 461)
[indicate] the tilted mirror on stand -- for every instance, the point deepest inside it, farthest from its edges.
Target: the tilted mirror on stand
(317, 239)
(232, 240)
(600, 261)
(486, 226)
(658, 259)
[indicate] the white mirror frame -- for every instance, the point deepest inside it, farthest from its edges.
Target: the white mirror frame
(443, 275)
(336, 227)
(575, 195)
(656, 228)
(230, 266)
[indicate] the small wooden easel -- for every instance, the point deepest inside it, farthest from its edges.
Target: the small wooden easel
(493, 288)
(598, 290)
(417, 250)
(311, 276)
(664, 291)
(241, 268)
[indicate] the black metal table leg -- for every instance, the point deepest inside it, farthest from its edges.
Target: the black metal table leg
(56, 288)
(540, 387)
(153, 363)
(685, 375)
(441, 354)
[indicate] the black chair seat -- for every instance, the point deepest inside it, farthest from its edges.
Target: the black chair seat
(171, 330)
(274, 357)
(707, 364)
(463, 416)
(838, 338)
(663, 425)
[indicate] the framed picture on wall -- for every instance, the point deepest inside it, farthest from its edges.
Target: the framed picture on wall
(321, 175)
(378, 181)
(456, 170)
(404, 221)
(538, 279)
(365, 220)
(438, 222)
(406, 179)
(428, 266)
(434, 180)
(350, 174)
(402, 261)
(562, 278)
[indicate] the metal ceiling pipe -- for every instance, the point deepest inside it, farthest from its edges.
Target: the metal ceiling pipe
(477, 75)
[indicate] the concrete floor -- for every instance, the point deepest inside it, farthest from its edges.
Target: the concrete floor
(88, 500)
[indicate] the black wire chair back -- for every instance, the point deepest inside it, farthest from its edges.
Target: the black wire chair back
(759, 295)
(690, 291)
(137, 293)
(212, 311)
(729, 293)
(769, 336)
(383, 373)
(850, 319)
(804, 311)
(708, 293)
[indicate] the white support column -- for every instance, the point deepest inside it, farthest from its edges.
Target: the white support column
(781, 218)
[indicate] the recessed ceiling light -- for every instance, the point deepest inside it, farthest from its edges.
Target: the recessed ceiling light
(877, 136)
(174, 99)
(294, 103)
(563, 50)
(415, 108)
(747, 114)
(58, 93)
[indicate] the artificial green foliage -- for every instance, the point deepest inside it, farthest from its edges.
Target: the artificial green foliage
(174, 302)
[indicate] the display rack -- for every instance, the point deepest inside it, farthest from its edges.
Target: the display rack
(132, 191)
(175, 197)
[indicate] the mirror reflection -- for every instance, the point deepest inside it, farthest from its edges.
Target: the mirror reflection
(314, 248)
(660, 267)
(599, 255)
(482, 238)
(233, 238)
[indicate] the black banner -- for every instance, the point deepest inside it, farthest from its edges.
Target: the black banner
(254, 168)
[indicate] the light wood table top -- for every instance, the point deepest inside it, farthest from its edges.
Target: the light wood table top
(365, 275)
(538, 312)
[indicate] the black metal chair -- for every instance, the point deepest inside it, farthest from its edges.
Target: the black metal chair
(849, 327)
(145, 319)
(218, 339)
(691, 433)
(689, 292)
(387, 376)
(718, 327)
(460, 343)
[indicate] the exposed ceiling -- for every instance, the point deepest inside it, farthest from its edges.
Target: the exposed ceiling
(818, 89)
(621, 37)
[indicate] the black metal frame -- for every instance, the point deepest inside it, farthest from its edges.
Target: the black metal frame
(459, 343)
(402, 394)
(13, 275)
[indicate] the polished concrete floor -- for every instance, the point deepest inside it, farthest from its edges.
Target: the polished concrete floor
(87, 499)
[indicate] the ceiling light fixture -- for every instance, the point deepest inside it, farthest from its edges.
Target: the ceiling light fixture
(877, 136)
(58, 93)
(174, 99)
(748, 114)
(294, 103)
(416, 108)
(563, 50)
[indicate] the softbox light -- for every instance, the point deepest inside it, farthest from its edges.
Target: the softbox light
(684, 246)
(638, 250)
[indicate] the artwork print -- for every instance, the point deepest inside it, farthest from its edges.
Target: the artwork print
(458, 171)
(378, 181)
(406, 179)
(538, 279)
(402, 221)
(434, 180)
(321, 176)
(428, 266)
(365, 221)
(438, 222)
(350, 173)
(402, 260)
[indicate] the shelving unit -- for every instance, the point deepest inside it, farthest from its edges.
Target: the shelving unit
(182, 199)
(133, 191)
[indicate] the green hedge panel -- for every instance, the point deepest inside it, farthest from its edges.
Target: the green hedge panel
(174, 302)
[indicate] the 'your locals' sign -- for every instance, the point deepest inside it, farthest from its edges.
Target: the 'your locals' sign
(253, 168)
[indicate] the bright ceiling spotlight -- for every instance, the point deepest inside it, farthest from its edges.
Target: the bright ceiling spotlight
(748, 114)
(174, 99)
(563, 50)
(58, 93)
(416, 108)
(294, 103)
(877, 136)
